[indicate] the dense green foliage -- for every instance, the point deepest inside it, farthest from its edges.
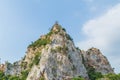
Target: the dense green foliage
(98, 76)
(12, 78)
(93, 75)
(23, 76)
(39, 43)
(8, 77)
(37, 58)
(78, 78)
(111, 77)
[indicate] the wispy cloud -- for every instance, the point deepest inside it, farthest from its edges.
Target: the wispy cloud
(103, 33)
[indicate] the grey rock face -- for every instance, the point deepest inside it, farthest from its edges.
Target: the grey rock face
(55, 57)
(60, 60)
(13, 69)
(94, 58)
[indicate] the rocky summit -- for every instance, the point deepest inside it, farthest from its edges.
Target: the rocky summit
(54, 57)
(94, 58)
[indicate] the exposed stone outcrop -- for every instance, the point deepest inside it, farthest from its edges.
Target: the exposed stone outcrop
(94, 58)
(59, 60)
(54, 57)
(2, 67)
(13, 69)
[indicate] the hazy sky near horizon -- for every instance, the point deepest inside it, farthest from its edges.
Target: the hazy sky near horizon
(91, 23)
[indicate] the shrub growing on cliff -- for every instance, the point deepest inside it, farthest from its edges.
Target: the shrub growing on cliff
(111, 77)
(8, 77)
(24, 74)
(37, 58)
(64, 29)
(1, 75)
(93, 75)
(78, 78)
(69, 37)
(40, 42)
(14, 78)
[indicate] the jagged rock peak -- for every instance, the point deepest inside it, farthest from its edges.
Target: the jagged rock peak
(95, 59)
(58, 59)
(54, 57)
(57, 28)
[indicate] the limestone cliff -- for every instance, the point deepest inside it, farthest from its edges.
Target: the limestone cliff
(13, 69)
(58, 59)
(94, 58)
(54, 57)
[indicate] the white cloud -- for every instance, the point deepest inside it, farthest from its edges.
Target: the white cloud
(104, 33)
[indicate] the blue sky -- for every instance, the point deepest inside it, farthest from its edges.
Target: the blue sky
(23, 21)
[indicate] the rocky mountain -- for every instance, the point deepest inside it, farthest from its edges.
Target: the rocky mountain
(58, 57)
(94, 58)
(54, 57)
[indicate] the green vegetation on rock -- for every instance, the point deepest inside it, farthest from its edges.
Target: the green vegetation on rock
(69, 37)
(35, 60)
(78, 78)
(9, 77)
(40, 42)
(24, 74)
(68, 52)
(110, 77)
(93, 75)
